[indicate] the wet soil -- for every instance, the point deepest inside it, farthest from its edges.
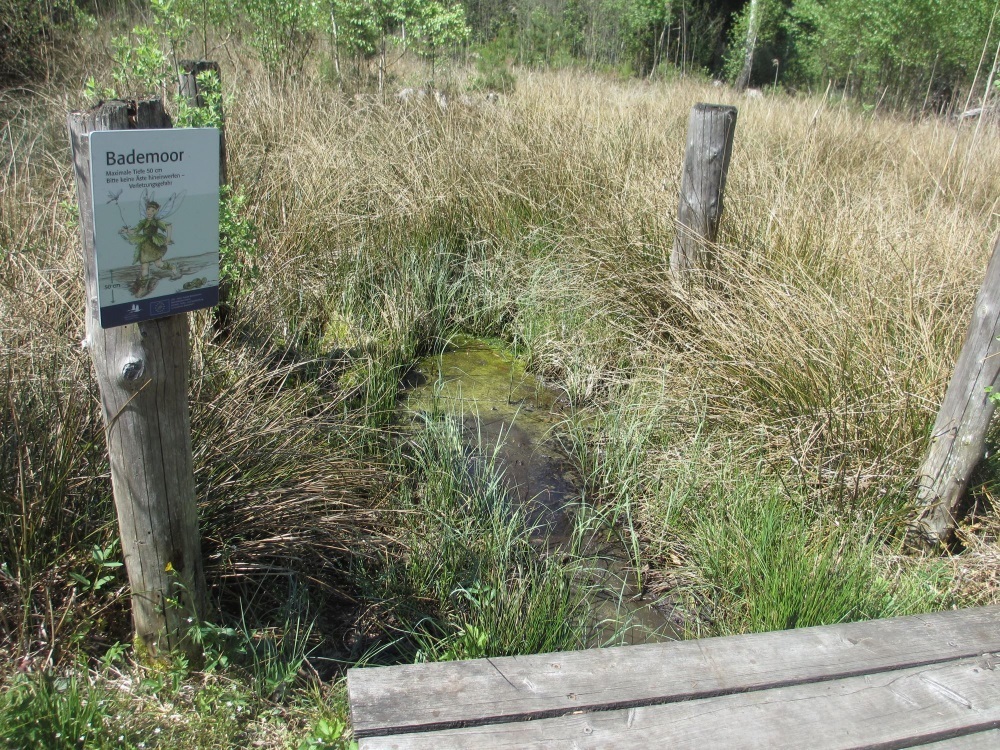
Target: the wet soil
(512, 414)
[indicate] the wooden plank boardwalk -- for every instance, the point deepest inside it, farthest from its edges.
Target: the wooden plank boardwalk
(927, 680)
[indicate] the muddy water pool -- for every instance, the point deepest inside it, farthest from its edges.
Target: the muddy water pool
(513, 416)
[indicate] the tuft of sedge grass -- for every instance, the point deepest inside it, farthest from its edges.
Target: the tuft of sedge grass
(55, 506)
(281, 487)
(468, 581)
(750, 554)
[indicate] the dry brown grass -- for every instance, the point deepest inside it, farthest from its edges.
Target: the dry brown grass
(852, 249)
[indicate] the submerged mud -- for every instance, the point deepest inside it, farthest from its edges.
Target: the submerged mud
(514, 417)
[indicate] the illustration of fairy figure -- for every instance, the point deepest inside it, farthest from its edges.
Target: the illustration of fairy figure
(151, 236)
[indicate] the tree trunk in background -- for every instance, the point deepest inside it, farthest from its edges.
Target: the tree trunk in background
(336, 51)
(958, 439)
(743, 80)
(142, 371)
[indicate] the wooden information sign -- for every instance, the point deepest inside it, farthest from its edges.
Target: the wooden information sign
(156, 222)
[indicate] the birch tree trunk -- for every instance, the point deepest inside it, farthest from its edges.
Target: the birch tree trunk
(753, 25)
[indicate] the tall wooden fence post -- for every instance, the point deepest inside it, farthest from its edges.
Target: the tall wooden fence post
(711, 129)
(959, 435)
(191, 89)
(142, 371)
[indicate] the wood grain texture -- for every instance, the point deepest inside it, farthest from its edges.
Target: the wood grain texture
(711, 129)
(142, 372)
(901, 708)
(386, 700)
(958, 438)
(979, 741)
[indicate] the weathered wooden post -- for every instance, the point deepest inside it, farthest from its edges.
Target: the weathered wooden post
(191, 89)
(142, 371)
(711, 128)
(959, 435)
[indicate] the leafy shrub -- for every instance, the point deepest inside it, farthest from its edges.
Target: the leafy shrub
(492, 71)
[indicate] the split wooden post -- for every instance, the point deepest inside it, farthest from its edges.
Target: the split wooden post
(959, 436)
(191, 89)
(711, 128)
(142, 371)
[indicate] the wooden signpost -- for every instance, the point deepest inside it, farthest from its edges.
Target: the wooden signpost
(142, 371)
(711, 128)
